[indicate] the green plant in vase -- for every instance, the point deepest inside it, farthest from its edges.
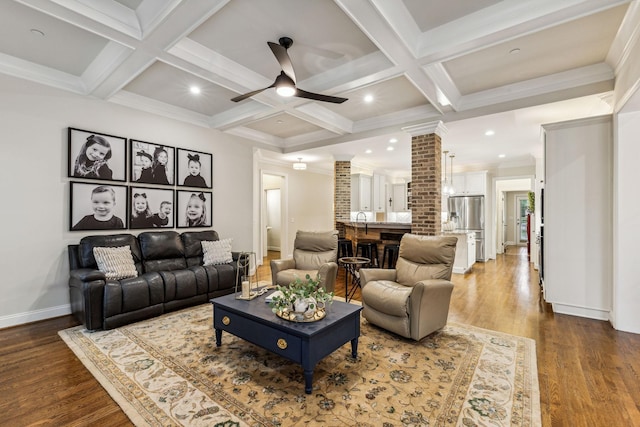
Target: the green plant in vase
(302, 300)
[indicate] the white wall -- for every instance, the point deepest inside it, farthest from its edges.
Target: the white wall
(35, 189)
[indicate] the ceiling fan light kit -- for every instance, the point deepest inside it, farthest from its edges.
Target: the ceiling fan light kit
(285, 83)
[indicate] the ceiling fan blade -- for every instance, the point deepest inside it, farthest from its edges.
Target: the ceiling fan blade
(319, 97)
(280, 52)
(249, 94)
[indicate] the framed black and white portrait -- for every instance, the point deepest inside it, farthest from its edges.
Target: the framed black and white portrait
(94, 155)
(152, 163)
(151, 208)
(97, 206)
(195, 169)
(193, 208)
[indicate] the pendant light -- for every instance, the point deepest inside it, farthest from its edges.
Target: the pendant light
(452, 190)
(300, 165)
(445, 185)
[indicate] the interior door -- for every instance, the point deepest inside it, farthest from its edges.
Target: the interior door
(522, 204)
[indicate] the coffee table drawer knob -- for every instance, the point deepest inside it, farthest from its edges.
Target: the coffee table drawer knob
(226, 320)
(282, 343)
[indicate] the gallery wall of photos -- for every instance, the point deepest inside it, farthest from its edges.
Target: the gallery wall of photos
(123, 183)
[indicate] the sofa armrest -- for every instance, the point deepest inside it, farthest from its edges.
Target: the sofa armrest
(429, 306)
(328, 274)
(86, 294)
(279, 265)
(371, 274)
(87, 274)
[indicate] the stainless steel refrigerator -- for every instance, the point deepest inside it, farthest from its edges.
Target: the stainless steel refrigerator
(468, 214)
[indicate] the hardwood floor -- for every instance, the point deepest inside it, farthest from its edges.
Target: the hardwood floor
(589, 374)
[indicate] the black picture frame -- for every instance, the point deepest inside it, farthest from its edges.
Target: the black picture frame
(111, 167)
(142, 153)
(157, 200)
(183, 218)
(205, 177)
(84, 214)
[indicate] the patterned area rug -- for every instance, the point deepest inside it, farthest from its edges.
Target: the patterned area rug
(167, 371)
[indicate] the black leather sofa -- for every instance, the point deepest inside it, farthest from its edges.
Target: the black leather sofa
(171, 275)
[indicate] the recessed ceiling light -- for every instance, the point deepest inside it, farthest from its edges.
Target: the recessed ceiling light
(489, 133)
(194, 90)
(368, 151)
(368, 98)
(389, 148)
(279, 122)
(37, 32)
(515, 51)
(502, 156)
(393, 140)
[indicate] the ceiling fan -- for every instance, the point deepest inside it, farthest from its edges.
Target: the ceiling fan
(285, 83)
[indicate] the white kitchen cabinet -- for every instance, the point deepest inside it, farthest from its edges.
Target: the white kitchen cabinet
(379, 193)
(465, 251)
(470, 183)
(577, 265)
(399, 202)
(361, 193)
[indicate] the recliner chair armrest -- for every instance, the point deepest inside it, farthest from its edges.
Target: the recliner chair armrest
(279, 265)
(429, 306)
(328, 274)
(371, 274)
(87, 274)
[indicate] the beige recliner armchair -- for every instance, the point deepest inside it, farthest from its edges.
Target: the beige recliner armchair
(314, 253)
(411, 300)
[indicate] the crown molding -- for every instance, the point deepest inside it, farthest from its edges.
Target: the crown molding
(436, 127)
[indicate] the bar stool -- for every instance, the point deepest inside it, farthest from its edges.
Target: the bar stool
(392, 249)
(368, 249)
(345, 248)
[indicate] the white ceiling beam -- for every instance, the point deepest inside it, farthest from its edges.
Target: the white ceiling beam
(40, 74)
(501, 22)
(554, 82)
(369, 20)
(143, 103)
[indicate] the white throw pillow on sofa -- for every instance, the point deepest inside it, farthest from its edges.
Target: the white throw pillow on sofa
(216, 251)
(115, 262)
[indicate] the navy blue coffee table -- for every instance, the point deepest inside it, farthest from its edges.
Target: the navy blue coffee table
(303, 343)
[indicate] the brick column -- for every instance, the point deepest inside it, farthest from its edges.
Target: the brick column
(426, 174)
(342, 192)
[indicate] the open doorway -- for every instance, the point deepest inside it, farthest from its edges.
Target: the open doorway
(505, 215)
(273, 231)
(273, 211)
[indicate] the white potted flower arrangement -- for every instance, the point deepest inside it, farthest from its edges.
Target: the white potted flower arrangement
(301, 301)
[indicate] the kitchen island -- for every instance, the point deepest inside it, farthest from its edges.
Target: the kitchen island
(465, 250)
(382, 232)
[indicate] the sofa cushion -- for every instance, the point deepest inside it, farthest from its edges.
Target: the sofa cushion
(216, 252)
(86, 245)
(162, 251)
(116, 263)
(191, 241)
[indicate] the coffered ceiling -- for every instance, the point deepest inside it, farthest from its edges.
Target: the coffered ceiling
(509, 65)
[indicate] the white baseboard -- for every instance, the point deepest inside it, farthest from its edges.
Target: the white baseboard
(590, 313)
(34, 316)
(459, 270)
